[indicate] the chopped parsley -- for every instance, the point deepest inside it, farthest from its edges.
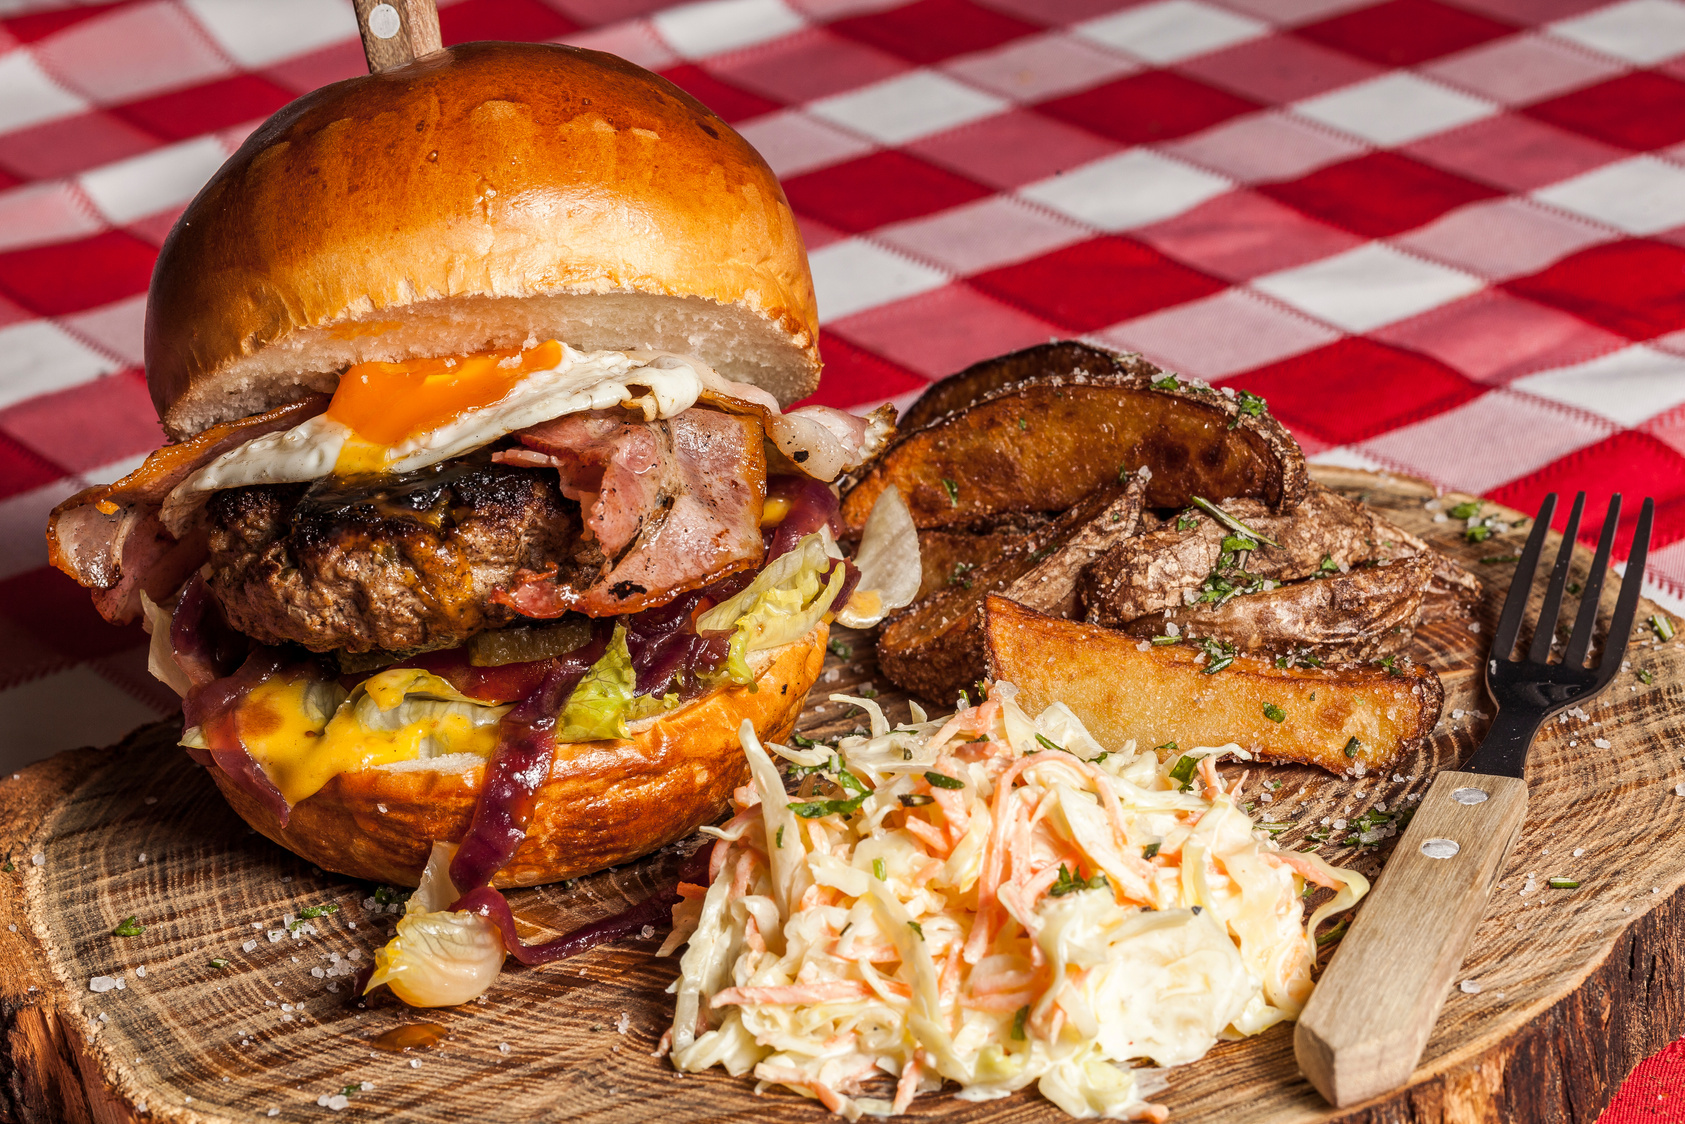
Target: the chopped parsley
(1334, 934)
(848, 782)
(1163, 640)
(916, 800)
(389, 895)
(1564, 883)
(1247, 405)
(943, 780)
(1231, 522)
(840, 650)
(1149, 850)
(879, 871)
(1328, 566)
(1187, 521)
(1218, 655)
(802, 743)
(1662, 627)
(1048, 743)
(319, 910)
(1068, 883)
(1168, 382)
(1023, 426)
(958, 577)
(1467, 510)
(813, 809)
(1645, 675)
(130, 926)
(917, 928)
(1274, 713)
(1352, 747)
(219, 962)
(1183, 771)
(1574, 588)
(1391, 664)
(953, 491)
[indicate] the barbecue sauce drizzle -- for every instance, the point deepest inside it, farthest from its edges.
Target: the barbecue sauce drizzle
(666, 651)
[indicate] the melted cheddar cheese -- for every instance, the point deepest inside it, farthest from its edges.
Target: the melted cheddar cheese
(399, 715)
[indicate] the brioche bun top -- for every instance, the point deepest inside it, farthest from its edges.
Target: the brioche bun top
(477, 198)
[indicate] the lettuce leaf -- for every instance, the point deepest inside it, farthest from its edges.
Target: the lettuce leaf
(785, 602)
(598, 708)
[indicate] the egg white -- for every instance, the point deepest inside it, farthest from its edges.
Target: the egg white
(661, 385)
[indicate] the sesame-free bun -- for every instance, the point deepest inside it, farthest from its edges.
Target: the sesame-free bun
(605, 802)
(480, 197)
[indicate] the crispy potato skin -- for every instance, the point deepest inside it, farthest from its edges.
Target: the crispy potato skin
(1161, 695)
(1361, 615)
(605, 802)
(935, 646)
(956, 392)
(1043, 445)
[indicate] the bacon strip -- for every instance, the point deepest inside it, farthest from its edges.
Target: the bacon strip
(673, 505)
(109, 538)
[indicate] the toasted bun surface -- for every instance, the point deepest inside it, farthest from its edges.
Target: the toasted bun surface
(484, 195)
(605, 802)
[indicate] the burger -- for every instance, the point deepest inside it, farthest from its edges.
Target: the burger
(485, 524)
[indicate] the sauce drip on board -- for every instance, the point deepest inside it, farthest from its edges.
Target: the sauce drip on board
(410, 1036)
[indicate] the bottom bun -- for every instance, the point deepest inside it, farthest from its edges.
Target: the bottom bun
(605, 803)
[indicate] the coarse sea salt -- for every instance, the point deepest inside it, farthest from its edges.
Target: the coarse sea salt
(101, 984)
(1470, 987)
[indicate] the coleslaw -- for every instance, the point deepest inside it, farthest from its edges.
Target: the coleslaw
(992, 900)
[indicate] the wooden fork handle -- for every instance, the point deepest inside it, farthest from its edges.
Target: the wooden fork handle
(1371, 1014)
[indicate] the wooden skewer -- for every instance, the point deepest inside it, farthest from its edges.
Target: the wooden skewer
(396, 32)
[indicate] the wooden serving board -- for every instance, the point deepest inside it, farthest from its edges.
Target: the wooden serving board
(1575, 986)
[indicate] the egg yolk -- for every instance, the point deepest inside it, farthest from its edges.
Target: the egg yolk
(384, 404)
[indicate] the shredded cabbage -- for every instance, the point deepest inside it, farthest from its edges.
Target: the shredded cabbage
(785, 602)
(993, 900)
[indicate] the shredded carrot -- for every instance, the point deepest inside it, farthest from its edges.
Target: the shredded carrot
(1306, 869)
(793, 995)
(929, 834)
(907, 1086)
(795, 1079)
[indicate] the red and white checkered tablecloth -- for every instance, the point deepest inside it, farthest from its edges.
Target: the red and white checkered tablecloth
(1440, 236)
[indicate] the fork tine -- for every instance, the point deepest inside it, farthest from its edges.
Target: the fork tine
(1620, 625)
(1521, 583)
(1545, 630)
(1580, 642)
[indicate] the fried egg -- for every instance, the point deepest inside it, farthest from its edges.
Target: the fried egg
(399, 417)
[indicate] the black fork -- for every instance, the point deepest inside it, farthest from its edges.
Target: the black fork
(1529, 691)
(1363, 1030)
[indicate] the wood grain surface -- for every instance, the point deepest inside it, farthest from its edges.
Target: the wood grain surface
(1574, 986)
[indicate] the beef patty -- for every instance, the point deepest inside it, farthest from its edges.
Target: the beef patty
(401, 565)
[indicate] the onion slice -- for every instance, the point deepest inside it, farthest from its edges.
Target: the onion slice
(439, 957)
(889, 563)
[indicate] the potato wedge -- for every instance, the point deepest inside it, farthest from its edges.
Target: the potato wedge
(935, 646)
(1352, 719)
(1046, 360)
(949, 557)
(1042, 445)
(1354, 617)
(1150, 572)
